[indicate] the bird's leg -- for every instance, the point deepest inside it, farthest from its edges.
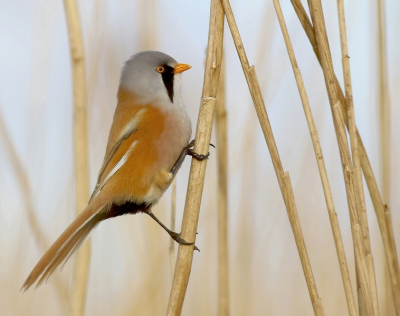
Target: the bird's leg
(180, 160)
(188, 151)
(174, 236)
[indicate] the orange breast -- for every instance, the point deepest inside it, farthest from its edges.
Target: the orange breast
(156, 146)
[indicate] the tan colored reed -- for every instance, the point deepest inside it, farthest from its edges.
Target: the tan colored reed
(222, 167)
(384, 102)
(295, 223)
(283, 178)
(389, 225)
(198, 168)
(321, 167)
(360, 198)
(390, 247)
(23, 181)
(391, 255)
(82, 257)
(384, 120)
(366, 302)
(366, 306)
(172, 227)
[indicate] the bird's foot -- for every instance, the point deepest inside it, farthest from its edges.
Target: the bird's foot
(195, 155)
(177, 237)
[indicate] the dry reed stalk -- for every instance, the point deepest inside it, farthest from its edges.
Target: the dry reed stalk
(283, 179)
(148, 18)
(366, 299)
(384, 104)
(172, 227)
(389, 224)
(360, 198)
(296, 227)
(23, 181)
(222, 166)
(321, 166)
(389, 246)
(366, 306)
(82, 258)
(198, 168)
(385, 123)
(389, 291)
(390, 252)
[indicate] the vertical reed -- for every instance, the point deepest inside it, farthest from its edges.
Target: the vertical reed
(358, 185)
(384, 117)
(391, 254)
(321, 166)
(384, 103)
(222, 166)
(23, 182)
(172, 227)
(283, 178)
(366, 305)
(198, 168)
(82, 258)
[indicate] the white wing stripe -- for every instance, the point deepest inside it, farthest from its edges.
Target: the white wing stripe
(132, 124)
(118, 165)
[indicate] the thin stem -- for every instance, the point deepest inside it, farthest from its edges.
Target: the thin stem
(23, 181)
(360, 198)
(321, 167)
(198, 168)
(365, 297)
(389, 246)
(82, 258)
(385, 122)
(283, 179)
(384, 102)
(391, 254)
(222, 166)
(172, 225)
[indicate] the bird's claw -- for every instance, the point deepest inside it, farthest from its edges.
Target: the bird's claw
(177, 237)
(197, 156)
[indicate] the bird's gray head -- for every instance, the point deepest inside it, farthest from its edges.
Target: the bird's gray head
(153, 77)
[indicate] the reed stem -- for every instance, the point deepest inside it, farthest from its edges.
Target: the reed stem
(222, 166)
(198, 168)
(385, 124)
(82, 258)
(321, 166)
(172, 227)
(391, 254)
(23, 181)
(358, 188)
(283, 178)
(365, 298)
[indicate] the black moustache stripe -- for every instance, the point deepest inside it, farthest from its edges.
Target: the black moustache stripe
(168, 79)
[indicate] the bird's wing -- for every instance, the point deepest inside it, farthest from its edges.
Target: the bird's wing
(121, 129)
(121, 143)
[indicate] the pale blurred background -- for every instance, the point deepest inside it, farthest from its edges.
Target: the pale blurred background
(130, 268)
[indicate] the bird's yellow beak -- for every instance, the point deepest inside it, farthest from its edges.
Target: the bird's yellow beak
(181, 68)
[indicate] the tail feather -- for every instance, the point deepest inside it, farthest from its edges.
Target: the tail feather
(68, 242)
(68, 249)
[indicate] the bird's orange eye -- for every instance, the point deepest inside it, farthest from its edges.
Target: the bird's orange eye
(160, 69)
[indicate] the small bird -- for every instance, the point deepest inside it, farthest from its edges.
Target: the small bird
(148, 141)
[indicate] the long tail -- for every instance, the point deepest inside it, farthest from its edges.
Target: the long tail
(69, 241)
